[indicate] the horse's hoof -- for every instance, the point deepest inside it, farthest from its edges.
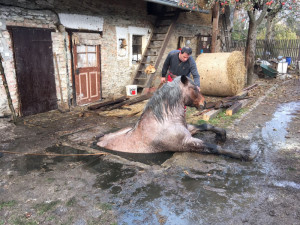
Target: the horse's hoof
(221, 137)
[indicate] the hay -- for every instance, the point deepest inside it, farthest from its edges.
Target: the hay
(221, 74)
(126, 111)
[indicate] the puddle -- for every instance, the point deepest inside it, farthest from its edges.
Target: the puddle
(272, 137)
(149, 159)
(29, 163)
(275, 130)
(109, 173)
(286, 184)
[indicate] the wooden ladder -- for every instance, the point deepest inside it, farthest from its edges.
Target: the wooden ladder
(155, 49)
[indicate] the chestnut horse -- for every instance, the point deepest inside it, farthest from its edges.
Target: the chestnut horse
(162, 125)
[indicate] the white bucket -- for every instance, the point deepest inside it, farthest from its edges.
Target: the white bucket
(131, 90)
(282, 67)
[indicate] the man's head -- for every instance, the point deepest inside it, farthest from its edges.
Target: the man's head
(185, 53)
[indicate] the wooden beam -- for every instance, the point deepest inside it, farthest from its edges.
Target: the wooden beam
(9, 100)
(106, 103)
(128, 102)
(233, 109)
(211, 114)
(244, 102)
(250, 87)
(239, 96)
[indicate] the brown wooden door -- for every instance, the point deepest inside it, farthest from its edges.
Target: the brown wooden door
(87, 73)
(34, 70)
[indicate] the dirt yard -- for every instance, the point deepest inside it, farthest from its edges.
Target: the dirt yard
(180, 188)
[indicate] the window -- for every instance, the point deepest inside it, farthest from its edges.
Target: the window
(86, 56)
(136, 48)
(204, 42)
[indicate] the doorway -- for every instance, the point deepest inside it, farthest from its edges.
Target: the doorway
(33, 56)
(87, 73)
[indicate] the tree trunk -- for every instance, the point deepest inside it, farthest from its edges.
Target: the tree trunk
(250, 51)
(270, 28)
(268, 47)
(215, 31)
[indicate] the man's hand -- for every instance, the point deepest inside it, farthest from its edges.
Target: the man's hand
(163, 80)
(199, 88)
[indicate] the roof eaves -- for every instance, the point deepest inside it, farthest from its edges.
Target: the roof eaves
(174, 3)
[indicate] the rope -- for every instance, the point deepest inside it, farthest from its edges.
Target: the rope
(45, 154)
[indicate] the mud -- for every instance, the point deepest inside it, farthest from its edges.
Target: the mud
(166, 188)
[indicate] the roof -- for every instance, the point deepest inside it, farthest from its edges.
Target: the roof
(175, 3)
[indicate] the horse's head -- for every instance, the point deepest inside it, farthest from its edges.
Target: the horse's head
(191, 94)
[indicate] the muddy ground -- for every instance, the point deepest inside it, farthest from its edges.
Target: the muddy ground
(180, 188)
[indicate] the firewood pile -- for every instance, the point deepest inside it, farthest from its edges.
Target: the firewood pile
(232, 104)
(122, 106)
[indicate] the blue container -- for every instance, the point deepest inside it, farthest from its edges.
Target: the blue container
(289, 60)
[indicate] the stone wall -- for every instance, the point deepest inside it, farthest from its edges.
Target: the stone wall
(121, 20)
(16, 16)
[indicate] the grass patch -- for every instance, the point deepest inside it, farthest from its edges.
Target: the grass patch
(71, 202)
(7, 204)
(224, 120)
(22, 221)
(45, 207)
(50, 218)
(221, 120)
(50, 180)
(291, 169)
(105, 206)
(190, 111)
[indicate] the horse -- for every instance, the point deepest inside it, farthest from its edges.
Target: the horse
(162, 125)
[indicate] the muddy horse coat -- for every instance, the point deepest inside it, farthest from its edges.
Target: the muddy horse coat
(162, 125)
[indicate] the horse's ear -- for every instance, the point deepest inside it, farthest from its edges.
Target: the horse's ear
(184, 79)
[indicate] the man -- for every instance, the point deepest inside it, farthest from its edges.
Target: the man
(180, 62)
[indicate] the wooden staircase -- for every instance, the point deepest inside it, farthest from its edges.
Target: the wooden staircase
(155, 49)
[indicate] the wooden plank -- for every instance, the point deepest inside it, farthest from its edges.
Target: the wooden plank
(10, 104)
(129, 102)
(250, 87)
(244, 102)
(211, 114)
(239, 96)
(233, 109)
(106, 103)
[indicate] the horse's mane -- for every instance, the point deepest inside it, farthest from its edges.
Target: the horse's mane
(164, 100)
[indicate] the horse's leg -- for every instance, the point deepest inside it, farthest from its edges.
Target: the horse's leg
(197, 145)
(220, 132)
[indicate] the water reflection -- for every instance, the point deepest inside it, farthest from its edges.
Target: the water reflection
(275, 130)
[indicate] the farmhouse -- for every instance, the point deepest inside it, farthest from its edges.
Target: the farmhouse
(80, 52)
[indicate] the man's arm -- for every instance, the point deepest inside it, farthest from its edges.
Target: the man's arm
(166, 66)
(194, 71)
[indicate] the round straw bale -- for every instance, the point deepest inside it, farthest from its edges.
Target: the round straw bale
(221, 74)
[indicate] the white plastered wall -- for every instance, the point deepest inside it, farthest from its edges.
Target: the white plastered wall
(122, 34)
(145, 32)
